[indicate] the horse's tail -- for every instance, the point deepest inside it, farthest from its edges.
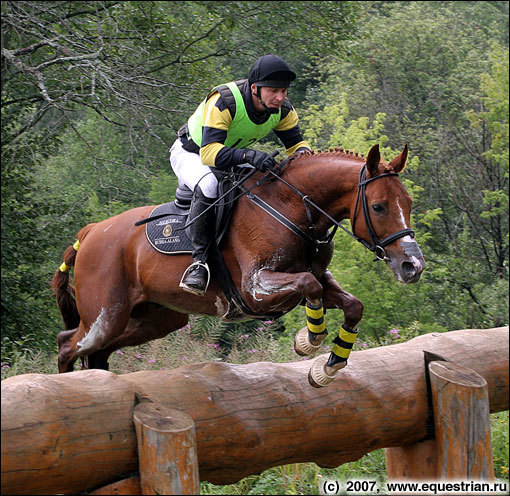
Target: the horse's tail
(60, 283)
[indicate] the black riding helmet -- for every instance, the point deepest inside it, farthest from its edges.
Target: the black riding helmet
(273, 71)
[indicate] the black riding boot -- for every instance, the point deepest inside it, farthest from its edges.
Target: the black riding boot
(196, 277)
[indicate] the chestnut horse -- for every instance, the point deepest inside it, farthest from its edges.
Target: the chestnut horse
(127, 293)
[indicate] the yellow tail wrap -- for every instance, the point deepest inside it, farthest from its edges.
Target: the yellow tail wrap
(76, 245)
(315, 318)
(64, 267)
(344, 342)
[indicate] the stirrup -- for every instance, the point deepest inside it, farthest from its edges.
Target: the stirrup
(191, 289)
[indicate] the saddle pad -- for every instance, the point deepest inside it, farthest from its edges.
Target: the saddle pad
(166, 234)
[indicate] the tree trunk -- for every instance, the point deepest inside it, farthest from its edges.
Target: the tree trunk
(70, 432)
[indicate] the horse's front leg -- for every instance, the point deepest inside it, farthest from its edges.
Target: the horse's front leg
(309, 339)
(324, 369)
(336, 297)
(271, 291)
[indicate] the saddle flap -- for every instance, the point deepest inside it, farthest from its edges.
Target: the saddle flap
(167, 234)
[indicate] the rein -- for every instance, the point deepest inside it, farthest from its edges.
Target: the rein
(377, 245)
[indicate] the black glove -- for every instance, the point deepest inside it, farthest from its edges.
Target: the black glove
(262, 161)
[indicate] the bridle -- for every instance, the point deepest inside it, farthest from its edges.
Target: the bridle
(377, 245)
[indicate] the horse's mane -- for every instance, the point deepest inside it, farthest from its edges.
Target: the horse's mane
(331, 151)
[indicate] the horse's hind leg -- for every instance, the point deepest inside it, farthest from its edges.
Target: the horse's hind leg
(66, 355)
(148, 321)
(98, 360)
(87, 339)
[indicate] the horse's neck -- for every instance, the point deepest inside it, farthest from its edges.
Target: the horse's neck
(329, 179)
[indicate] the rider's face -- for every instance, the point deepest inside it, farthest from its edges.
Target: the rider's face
(272, 97)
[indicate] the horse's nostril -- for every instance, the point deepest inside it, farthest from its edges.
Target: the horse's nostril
(408, 269)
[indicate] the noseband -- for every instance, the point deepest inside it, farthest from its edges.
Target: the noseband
(377, 245)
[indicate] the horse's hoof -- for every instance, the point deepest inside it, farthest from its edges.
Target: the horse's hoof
(318, 376)
(302, 345)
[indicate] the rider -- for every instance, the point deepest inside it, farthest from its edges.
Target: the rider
(219, 134)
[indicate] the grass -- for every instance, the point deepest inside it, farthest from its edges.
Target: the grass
(206, 339)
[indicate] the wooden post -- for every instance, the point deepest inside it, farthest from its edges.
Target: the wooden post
(462, 423)
(412, 462)
(130, 486)
(166, 450)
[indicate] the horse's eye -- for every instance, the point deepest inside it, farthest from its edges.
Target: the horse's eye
(378, 208)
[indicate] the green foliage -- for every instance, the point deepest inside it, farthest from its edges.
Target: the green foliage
(91, 101)
(98, 150)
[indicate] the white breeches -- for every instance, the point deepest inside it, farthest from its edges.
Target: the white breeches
(190, 170)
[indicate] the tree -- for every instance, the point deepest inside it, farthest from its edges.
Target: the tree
(426, 68)
(92, 96)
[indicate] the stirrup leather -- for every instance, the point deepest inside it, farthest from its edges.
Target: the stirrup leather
(190, 288)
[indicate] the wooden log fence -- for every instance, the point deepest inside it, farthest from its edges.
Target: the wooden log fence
(76, 432)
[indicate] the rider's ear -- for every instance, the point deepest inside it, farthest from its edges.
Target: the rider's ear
(373, 159)
(398, 163)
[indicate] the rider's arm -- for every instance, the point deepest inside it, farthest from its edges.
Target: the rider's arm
(288, 130)
(217, 119)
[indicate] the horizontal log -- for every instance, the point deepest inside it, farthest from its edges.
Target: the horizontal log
(68, 433)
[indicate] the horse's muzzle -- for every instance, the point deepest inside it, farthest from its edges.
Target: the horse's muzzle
(408, 263)
(411, 270)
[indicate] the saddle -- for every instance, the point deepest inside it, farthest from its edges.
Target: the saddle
(166, 232)
(165, 227)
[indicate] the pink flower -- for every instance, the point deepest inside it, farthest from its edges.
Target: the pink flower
(152, 360)
(394, 332)
(120, 352)
(139, 356)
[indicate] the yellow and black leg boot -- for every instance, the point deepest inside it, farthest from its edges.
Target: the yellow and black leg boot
(324, 369)
(309, 339)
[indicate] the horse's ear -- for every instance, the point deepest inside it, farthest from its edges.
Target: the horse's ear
(373, 159)
(398, 163)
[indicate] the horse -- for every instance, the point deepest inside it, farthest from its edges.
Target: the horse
(277, 249)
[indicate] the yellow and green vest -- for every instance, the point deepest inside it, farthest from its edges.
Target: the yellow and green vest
(242, 131)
